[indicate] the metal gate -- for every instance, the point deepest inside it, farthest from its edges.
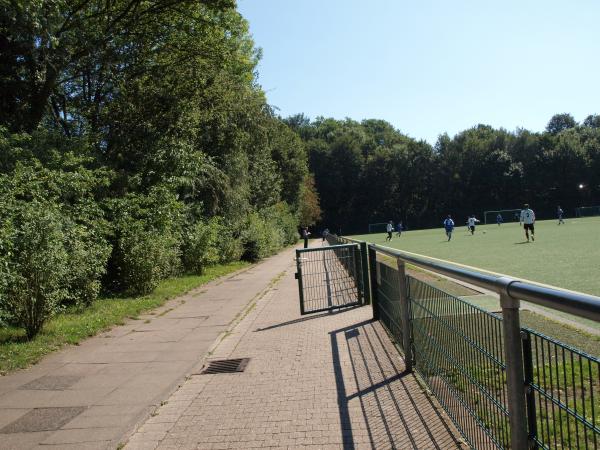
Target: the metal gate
(329, 277)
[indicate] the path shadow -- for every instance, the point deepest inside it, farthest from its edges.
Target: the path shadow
(372, 382)
(311, 317)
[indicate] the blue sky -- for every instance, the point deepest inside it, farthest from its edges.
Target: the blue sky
(429, 67)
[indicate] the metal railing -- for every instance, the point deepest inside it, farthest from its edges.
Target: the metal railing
(503, 385)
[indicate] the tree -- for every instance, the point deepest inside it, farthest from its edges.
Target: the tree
(310, 209)
(560, 122)
(592, 121)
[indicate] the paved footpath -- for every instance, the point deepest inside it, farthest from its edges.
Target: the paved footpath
(95, 395)
(330, 380)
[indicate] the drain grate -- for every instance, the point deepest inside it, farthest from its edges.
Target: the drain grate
(225, 366)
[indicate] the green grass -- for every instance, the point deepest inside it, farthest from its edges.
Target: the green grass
(73, 326)
(566, 256)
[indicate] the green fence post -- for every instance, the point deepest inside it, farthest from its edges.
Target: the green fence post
(405, 315)
(364, 261)
(299, 278)
(530, 396)
(515, 377)
(373, 277)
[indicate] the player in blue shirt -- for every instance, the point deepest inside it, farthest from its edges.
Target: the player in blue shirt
(499, 219)
(449, 226)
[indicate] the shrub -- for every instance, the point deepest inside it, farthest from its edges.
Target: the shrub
(144, 258)
(256, 238)
(229, 243)
(283, 222)
(200, 245)
(88, 254)
(36, 267)
(146, 241)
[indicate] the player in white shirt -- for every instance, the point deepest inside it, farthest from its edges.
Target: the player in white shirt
(390, 230)
(471, 221)
(528, 220)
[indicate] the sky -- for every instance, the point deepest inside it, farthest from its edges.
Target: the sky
(430, 67)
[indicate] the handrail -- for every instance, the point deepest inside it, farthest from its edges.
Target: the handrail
(579, 304)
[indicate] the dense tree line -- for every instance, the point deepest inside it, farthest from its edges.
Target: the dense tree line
(135, 144)
(369, 172)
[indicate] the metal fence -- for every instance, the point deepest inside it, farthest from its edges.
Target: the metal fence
(563, 393)
(504, 386)
(330, 277)
(460, 355)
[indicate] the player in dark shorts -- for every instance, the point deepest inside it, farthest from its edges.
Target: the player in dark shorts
(528, 219)
(390, 230)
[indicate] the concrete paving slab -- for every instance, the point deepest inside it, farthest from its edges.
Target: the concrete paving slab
(42, 419)
(82, 435)
(52, 382)
(22, 441)
(10, 415)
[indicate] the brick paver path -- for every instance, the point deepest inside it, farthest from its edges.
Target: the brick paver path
(320, 381)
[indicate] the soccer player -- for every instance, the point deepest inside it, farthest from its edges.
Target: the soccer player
(471, 223)
(559, 213)
(399, 228)
(499, 219)
(528, 220)
(390, 230)
(449, 226)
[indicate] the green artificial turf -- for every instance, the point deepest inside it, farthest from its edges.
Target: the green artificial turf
(566, 256)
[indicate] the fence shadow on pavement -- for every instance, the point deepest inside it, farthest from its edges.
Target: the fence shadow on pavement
(311, 317)
(380, 404)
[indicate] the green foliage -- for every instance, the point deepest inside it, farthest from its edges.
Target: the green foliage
(88, 253)
(560, 122)
(146, 240)
(142, 125)
(257, 238)
(200, 246)
(37, 266)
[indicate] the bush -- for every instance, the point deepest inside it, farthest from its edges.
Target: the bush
(144, 258)
(88, 254)
(229, 243)
(284, 222)
(36, 266)
(200, 246)
(257, 238)
(146, 241)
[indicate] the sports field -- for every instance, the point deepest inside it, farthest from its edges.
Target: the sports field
(566, 256)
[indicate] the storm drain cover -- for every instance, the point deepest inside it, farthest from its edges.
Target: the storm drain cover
(43, 419)
(51, 383)
(225, 366)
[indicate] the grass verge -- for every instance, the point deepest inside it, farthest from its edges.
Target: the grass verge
(75, 325)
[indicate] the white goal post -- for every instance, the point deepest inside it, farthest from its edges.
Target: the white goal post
(508, 215)
(587, 211)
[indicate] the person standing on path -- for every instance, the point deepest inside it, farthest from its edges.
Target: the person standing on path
(449, 226)
(305, 234)
(528, 220)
